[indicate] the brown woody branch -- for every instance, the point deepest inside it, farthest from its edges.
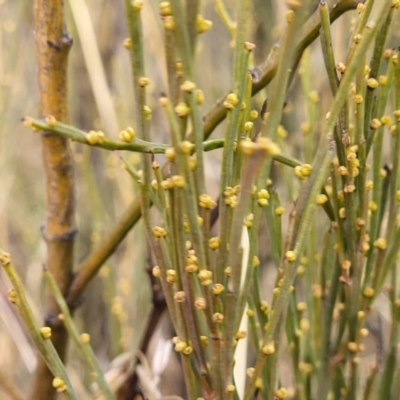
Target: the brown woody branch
(52, 48)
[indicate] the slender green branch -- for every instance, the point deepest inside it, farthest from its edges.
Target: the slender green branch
(182, 38)
(326, 43)
(81, 341)
(375, 66)
(225, 17)
(95, 138)
(89, 268)
(40, 336)
(306, 202)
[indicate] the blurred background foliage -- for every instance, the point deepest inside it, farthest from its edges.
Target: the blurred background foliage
(117, 302)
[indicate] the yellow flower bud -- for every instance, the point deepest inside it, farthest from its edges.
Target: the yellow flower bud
(269, 348)
(46, 332)
(291, 256)
(85, 338)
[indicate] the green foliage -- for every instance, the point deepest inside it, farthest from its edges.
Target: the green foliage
(273, 277)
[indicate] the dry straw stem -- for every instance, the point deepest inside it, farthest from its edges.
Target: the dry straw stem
(52, 47)
(95, 260)
(91, 54)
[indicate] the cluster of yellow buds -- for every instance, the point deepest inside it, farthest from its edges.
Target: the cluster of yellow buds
(213, 243)
(127, 43)
(59, 384)
(353, 161)
(181, 346)
(231, 196)
(180, 297)
(178, 181)
(205, 277)
(199, 96)
(269, 348)
(231, 201)
(204, 343)
(95, 137)
(306, 368)
(262, 197)
(12, 296)
(240, 335)
(372, 83)
(85, 338)
(188, 86)
(369, 292)
(5, 258)
(171, 276)
(167, 184)
(218, 318)
(147, 113)
(45, 331)
(358, 99)
(301, 306)
(137, 5)
(353, 347)
(380, 244)
(303, 171)
(191, 262)
(375, 124)
(231, 101)
(279, 211)
(248, 126)
(291, 255)
(170, 154)
(253, 114)
(159, 232)
(182, 109)
(165, 8)
(127, 134)
(206, 202)
(248, 221)
(202, 25)
(264, 307)
(156, 271)
(281, 393)
(386, 120)
(143, 81)
(341, 68)
(321, 199)
(186, 147)
(200, 303)
(218, 288)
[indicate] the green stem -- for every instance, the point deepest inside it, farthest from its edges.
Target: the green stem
(44, 345)
(306, 203)
(85, 349)
(182, 38)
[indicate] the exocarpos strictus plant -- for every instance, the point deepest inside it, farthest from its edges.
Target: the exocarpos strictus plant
(272, 279)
